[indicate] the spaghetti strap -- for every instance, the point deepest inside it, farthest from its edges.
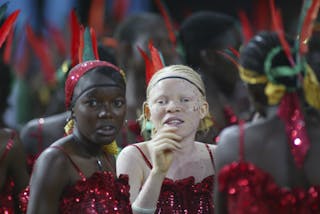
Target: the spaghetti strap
(72, 162)
(241, 140)
(8, 146)
(144, 157)
(211, 157)
(38, 134)
(109, 163)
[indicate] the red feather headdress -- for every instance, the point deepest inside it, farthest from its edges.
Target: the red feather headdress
(168, 21)
(154, 63)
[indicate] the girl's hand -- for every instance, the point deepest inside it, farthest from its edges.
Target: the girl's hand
(162, 147)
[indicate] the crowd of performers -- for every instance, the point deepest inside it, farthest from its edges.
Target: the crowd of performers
(216, 114)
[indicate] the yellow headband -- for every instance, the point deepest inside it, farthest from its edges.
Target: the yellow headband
(252, 77)
(311, 88)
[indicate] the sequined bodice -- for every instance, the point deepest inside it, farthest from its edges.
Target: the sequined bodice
(251, 190)
(6, 198)
(186, 196)
(101, 193)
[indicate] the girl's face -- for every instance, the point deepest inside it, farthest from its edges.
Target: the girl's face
(176, 102)
(99, 111)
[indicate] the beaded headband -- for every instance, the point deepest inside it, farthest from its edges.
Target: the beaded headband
(77, 72)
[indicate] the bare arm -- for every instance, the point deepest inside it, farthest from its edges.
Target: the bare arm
(18, 169)
(28, 138)
(49, 178)
(145, 195)
(225, 153)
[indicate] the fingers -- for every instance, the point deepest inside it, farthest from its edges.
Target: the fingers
(166, 144)
(167, 132)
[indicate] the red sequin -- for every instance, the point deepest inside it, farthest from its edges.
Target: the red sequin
(6, 199)
(260, 194)
(7, 204)
(291, 114)
(186, 196)
(101, 193)
(230, 116)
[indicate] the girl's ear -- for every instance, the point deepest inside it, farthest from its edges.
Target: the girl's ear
(146, 111)
(204, 108)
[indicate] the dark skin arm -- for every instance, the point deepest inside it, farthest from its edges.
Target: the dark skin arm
(50, 176)
(227, 151)
(17, 169)
(26, 135)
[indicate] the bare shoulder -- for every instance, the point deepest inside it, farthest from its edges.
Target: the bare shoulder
(133, 151)
(203, 147)
(227, 149)
(6, 135)
(53, 159)
(130, 162)
(29, 127)
(28, 134)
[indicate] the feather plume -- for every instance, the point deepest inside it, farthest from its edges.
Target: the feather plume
(41, 49)
(156, 57)
(81, 44)
(278, 27)
(312, 8)
(7, 25)
(75, 38)
(96, 16)
(120, 8)
(94, 43)
(8, 48)
(152, 64)
(58, 39)
(246, 27)
(88, 49)
(261, 15)
(231, 54)
(148, 64)
(168, 21)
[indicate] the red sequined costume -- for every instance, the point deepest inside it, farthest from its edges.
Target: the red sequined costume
(185, 196)
(6, 194)
(31, 159)
(249, 189)
(101, 193)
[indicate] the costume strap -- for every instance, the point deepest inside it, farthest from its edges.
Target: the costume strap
(72, 162)
(211, 157)
(8, 146)
(241, 140)
(144, 156)
(38, 134)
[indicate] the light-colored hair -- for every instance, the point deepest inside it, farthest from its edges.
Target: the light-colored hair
(179, 72)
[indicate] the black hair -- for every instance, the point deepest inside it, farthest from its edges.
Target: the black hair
(254, 54)
(113, 74)
(106, 53)
(202, 30)
(109, 72)
(133, 25)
